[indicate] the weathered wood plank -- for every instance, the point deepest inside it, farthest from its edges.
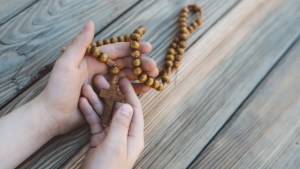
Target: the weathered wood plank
(213, 9)
(11, 8)
(218, 73)
(32, 39)
(265, 131)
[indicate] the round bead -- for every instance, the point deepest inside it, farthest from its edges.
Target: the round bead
(185, 9)
(191, 29)
(176, 64)
(165, 79)
(103, 58)
(88, 50)
(137, 70)
(195, 25)
(111, 63)
(136, 62)
(150, 81)
(183, 44)
(99, 42)
(169, 63)
(143, 29)
(199, 21)
(178, 57)
(183, 24)
(127, 38)
(173, 45)
(196, 8)
(183, 36)
(121, 38)
(180, 51)
(138, 31)
(114, 70)
(171, 51)
(135, 54)
(106, 41)
(184, 30)
(134, 45)
(184, 14)
(93, 44)
(161, 87)
(155, 85)
(170, 57)
(182, 19)
(163, 73)
(96, 52)
(136, 37)
(92, 50)
(143, 78)
(114, 40)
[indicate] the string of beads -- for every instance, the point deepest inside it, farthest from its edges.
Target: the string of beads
(173, 56)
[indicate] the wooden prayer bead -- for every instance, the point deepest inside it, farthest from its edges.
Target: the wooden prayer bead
(184, 15)
(110, 62)
(103, 57)
(178, 57)
(161, 87)
(96, 52)
(143, 78)
(106, 41)
(150, 81)
(155, 85)
(183, 36)
(176, 64)
(121, 39)
(165, 79)
(171, 51)
(136, 62)
(92, 50)
(136, 37)
(127, 38)
(114, 40)
(199, 21)
(169, 63)
(134, 45)
(183, 24)
(182, 44)
(191, 29)
(99, 42)
(137, 70)
(114, 70)
(170, 57)
(185, 9)
(139, 31)
(184, 30)
(182, 20)
(143, 29)
(135, 54)
(180, 51)
(93, 44)
(195, 25)
(173, 45)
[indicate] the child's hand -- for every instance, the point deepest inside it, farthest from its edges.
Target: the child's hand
(119, 145)
(60, 97)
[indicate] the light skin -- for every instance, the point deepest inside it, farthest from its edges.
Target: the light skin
(55, 110)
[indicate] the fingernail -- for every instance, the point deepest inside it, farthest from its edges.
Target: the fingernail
(126, 110)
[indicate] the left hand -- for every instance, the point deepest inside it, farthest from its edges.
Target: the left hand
(72, 70)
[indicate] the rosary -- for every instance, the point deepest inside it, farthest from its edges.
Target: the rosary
(173, 57)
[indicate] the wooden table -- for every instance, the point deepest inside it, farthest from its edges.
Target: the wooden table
(234, 102)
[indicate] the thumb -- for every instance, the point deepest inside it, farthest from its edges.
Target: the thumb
(118, 130)
(76, 50)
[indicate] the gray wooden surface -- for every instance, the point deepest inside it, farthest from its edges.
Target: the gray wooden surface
(233, 54)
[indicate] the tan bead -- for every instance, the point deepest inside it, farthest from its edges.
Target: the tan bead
(127, 38)
(103, 57)
(178, 57)
(171, 51)
(180, 51)
(137, 70)
(191, 29)
(165, 79)
(136, 62)
(182, 19)
(170, 57)
(121, 38)
(143, 29)
(88, 50)
(184, 30)
(99, 42)
(93, 44)
(196, 8)
(106, 41)
(161, 87)
(143, 78)
(195, 25)
(184, 15)
(96, 52)
(92, 50)
(173, 45)
(169, 63)
(150, 81)
(183, 24)
(155, 85)
(176, 39)
(182, 44)
(111, 63)
(185, 9)
(135, 54)
(134, 45)
(114, 40)
(138, 31)
(176, 64)
(183, 36)
(114, 70)
(199, 21)
(136, 37)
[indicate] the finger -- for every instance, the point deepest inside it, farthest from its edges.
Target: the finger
(100, 82)
(140, 88)
(90, 116)
(148, 65)
(122, 49)
(76, 50)
(118, 129)
(92, 98)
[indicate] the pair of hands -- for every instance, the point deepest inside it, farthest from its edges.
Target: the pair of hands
(72, 73)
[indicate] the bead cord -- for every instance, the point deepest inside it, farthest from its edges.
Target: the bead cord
(174, 53)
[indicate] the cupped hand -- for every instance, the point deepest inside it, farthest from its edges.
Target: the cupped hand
(73, 69)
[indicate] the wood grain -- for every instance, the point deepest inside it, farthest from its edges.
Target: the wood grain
(31, 41)
(265, 131)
